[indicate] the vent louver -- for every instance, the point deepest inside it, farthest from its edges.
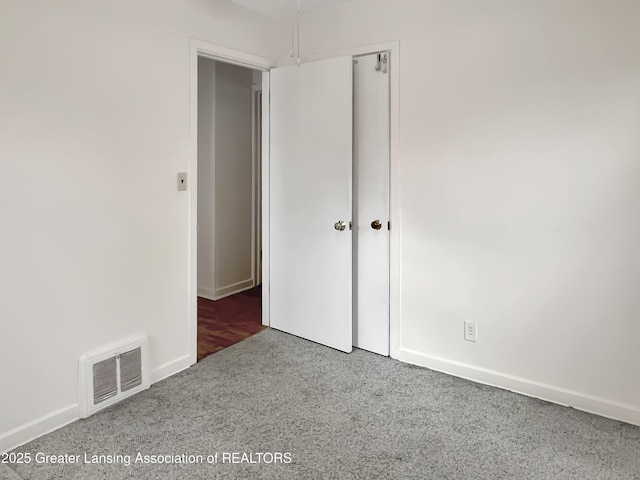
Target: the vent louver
(130, 369)
(105, 380)
(112, 374)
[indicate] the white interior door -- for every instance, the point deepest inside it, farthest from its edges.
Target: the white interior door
(311, 122)
(371, 203)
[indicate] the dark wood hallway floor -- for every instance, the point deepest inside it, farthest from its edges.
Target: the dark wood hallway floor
(227, 321)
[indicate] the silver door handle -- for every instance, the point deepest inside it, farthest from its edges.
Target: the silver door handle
(340, 225)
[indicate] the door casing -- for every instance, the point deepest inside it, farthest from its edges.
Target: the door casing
(201, 48)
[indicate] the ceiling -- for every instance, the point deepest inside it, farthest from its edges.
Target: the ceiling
(277, 8)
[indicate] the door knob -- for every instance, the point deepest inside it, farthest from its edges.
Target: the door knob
(340, 225)
(376, 225)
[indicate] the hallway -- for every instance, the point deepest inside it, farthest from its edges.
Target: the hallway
(227, 321)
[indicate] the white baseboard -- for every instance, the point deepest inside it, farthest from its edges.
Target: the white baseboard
(220, 293)
(207, 293)
(169, 369)
(38, 427)
(233, 289)
(30, 431)
(549, 393)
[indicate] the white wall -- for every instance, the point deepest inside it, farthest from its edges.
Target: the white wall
(518, 174)
(233, 180)
(206, 175)
(225, 181)
(94, 125)
(519, 187)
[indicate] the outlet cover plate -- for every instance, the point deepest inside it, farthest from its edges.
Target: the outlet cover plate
(470, 331)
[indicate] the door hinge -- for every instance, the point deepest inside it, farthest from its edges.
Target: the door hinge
(389, 225)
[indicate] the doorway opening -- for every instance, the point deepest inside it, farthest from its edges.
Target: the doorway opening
(229, 246)
(281, 120)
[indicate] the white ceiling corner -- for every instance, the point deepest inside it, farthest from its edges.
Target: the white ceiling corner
(278, 8)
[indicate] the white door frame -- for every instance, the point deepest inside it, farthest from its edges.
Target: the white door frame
(256, 154)
(201, 48)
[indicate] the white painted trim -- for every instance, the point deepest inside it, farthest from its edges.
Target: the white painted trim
(254, 186)
(192, 208)
(233, 289)
(561, 396)
(38, 427)
(266, 162)
(208, 293)
(169, 369)
(226, 55)
(256, 245)
(395, 285)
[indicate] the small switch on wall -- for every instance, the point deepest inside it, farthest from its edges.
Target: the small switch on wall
(182, 181)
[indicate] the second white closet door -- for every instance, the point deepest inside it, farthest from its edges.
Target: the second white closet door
(371, 203)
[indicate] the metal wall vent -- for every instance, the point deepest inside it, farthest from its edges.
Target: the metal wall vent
(111, 374)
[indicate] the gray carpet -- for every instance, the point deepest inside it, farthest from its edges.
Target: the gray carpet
(6, 473)
(357, 416)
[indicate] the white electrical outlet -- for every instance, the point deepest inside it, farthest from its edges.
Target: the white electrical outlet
(470, 331)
